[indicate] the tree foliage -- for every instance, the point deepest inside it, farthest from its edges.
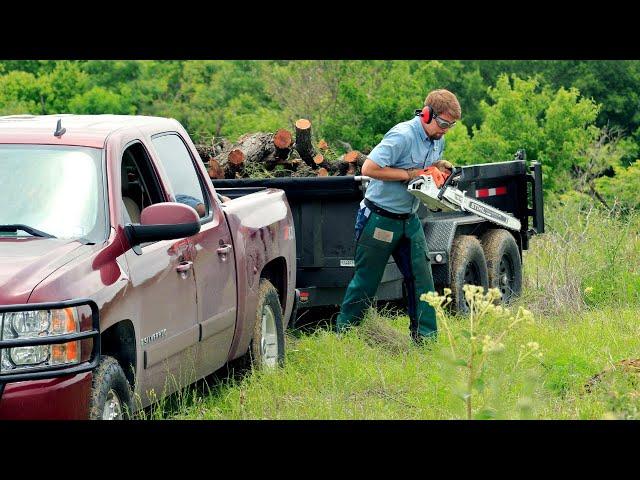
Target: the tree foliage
(579, 118)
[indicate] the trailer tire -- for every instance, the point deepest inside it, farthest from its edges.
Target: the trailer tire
(267, 343)
(468, 266)
(111, 397)
(503, 263)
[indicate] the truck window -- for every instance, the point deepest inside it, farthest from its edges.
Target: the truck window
(139, 184)
(53, 188)
(179, 166)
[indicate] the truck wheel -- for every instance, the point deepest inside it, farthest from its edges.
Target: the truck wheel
(468, 266)
(111, 397)
(503, 263)
(267, 345)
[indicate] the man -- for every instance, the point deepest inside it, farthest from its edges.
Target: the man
(387, 224)
(193, 202)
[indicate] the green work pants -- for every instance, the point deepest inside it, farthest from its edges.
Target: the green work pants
(381, 238)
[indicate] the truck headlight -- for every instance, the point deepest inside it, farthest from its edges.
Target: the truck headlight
(37, 324)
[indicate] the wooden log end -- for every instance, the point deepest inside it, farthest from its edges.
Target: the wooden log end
(351, 157)
(303, 124)
(323, 145)
(323, 172)
(318, 159)
(215, 170)
(236, 157)
(282, 138)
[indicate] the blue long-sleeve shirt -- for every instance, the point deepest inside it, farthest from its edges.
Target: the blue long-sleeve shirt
(404, 146)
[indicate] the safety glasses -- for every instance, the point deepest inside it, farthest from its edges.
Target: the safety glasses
(443, 123)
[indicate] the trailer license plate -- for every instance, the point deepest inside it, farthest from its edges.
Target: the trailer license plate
(347, 263)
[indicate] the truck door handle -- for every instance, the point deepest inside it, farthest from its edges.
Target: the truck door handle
(223, 250)
(184, 267)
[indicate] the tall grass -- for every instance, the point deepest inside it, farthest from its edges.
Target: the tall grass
(582, 283)
(588, 258)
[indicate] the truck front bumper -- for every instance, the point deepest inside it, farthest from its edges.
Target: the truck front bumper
(61, 398)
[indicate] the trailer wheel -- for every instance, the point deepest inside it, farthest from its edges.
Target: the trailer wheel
(503, 263)
(267, 345)
(468, 266)
(111, 397)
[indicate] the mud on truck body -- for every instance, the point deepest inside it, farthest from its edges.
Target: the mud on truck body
(112, 292)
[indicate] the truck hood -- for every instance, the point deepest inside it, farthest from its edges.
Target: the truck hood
(25, 262)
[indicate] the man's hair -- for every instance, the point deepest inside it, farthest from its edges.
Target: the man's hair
(443, 101)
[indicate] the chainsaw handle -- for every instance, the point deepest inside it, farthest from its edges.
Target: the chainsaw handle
(454, 172)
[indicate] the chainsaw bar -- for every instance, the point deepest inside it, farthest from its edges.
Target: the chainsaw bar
(450, 199)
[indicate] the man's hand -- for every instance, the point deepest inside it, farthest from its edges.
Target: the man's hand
(413, 173)
(443, 165)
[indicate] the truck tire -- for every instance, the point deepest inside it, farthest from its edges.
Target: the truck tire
(503, 263)
(267, 344)
(468, 266)
(111, 397)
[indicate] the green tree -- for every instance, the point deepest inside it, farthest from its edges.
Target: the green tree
(621, 189)
(611, 83)
(98, 100)
(556, 128)
(19, 93)
(63, 83)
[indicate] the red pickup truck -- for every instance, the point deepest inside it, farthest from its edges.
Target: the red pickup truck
(123, 276)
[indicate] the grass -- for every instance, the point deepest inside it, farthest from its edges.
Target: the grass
(582, 284)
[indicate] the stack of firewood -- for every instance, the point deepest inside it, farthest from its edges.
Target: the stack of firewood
(267, 155)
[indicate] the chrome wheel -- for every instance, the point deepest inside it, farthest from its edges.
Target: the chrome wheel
(112, 407)
(269, 341)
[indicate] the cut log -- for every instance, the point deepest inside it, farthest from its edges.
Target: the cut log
(282, 142)
(230, 161)
(215, 170)
(250, 147)
(303, 142)
(211, 147)
(222, 145)
(321, 162)
(271, 162)
(351, 163)
(355, 157)
(254, 146)
(346, 168)
(282, 138)
(237, 156)
(277, 155)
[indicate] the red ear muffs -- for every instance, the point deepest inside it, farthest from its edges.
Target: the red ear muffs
(426, 114)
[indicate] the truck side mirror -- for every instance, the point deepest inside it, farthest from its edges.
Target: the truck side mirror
(163, 221)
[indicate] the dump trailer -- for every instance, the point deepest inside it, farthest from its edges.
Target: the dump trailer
(464, 247)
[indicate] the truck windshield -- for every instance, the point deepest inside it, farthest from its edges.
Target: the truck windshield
(53, 189)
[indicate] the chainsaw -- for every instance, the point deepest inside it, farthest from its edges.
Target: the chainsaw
(437, 195)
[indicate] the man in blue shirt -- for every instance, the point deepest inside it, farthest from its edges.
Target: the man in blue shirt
(387, 224)
(193, 202)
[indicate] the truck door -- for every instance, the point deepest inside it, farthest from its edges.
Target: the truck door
(212, 254)
(162, 286)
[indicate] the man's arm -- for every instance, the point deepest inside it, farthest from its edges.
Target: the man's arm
(373, 170)
(380, 162)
